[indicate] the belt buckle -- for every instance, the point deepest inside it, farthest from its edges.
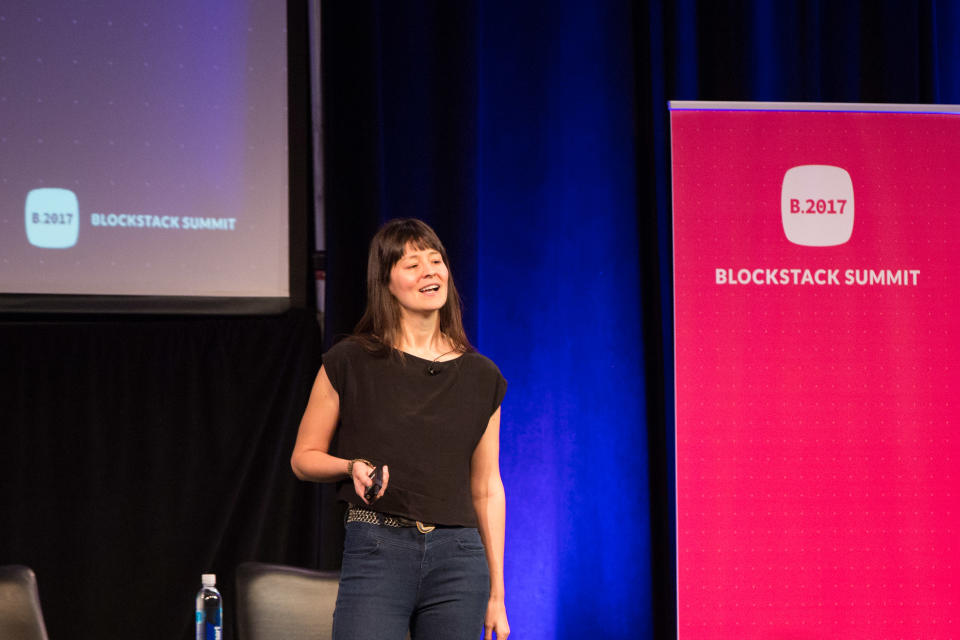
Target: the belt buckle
(425, 528)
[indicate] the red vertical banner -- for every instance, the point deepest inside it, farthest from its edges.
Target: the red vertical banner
(816, 250)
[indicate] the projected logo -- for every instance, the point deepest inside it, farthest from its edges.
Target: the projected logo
(816, 205)
(52, 218)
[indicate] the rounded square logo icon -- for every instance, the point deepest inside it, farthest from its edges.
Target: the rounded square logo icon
(52, 218)
(816, 205)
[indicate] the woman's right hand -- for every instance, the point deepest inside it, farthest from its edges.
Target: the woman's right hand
(362, 480)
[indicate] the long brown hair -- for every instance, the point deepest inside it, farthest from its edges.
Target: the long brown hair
(379, 327)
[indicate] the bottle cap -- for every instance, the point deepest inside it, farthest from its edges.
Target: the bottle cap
(209, 579)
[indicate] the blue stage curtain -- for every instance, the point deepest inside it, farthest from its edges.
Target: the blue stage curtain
(510, 128)
(534, 136)
(559, 311)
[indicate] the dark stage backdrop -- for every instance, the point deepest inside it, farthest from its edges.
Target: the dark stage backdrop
(533, 136)
(136, 454)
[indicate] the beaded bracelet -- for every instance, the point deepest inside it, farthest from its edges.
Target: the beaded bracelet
(350, 465)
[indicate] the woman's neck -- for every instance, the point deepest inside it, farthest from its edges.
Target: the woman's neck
(421, 336)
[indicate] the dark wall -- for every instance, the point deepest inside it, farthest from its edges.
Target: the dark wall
(136, 454)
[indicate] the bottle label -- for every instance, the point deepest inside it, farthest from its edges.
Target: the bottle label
(208, 629)
(214, 632)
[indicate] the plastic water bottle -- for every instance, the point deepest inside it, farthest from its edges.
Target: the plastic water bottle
(209, 609)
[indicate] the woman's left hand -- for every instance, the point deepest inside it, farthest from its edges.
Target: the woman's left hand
(496, 620)
(362, 480)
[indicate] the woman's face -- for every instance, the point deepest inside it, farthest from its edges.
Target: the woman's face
(419, 280)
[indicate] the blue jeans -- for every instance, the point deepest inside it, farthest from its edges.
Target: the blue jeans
(393, 579)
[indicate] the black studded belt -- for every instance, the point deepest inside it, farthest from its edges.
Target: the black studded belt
(356, 513)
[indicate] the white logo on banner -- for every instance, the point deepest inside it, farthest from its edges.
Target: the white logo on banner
(816, 205)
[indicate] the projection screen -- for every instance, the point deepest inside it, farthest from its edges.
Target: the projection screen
(144, 150)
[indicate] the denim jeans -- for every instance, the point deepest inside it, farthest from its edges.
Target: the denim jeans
(393, 579)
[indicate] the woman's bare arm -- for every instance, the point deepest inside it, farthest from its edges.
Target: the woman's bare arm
(311, 459)
(489, 502)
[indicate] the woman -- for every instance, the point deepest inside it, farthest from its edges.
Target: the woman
(413, 399)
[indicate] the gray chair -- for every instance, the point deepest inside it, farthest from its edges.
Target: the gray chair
(20, 615)
(276, 601)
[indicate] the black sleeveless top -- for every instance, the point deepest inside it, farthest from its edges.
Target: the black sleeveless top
(423, 426)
